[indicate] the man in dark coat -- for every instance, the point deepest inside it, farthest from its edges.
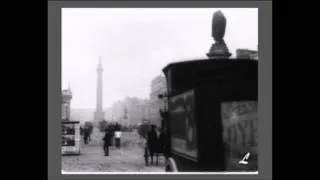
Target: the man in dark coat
(106, 139)
(112, 129)
(117, 133)
(85, 135)
(153, 143)
(90, 129)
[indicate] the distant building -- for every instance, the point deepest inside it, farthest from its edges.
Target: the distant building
(66, 104)
(117, 111)
(158, 86)
(108, 114)
(254, 55)
(146, 109)
(136, 110)
(247, 54)
(82, 114)
(130, 111)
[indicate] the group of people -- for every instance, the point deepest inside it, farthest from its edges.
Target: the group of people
(86, 132)
(111, 132)
(154, 140)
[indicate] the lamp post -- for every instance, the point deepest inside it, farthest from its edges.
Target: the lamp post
(164, 112)
(164, 96)
(165, 128)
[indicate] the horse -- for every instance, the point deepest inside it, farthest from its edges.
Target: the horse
(154, 146)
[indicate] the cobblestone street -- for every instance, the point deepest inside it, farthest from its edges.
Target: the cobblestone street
(129, 158)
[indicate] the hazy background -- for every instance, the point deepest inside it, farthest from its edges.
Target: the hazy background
(135, 44)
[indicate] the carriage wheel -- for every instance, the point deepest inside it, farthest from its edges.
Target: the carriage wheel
(171, 165)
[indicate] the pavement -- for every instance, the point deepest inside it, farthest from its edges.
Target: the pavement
(129, 158)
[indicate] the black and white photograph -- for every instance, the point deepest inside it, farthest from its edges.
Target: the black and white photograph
(159, 90)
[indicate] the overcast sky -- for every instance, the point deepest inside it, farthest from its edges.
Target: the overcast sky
(135, 44)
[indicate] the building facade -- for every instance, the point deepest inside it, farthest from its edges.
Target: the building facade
(145, 109)
(254, 56)
(137, 110)
(117, 112)
(247, 54)
(82, 114)
(66, 104)
(128, 112)
(158, 86)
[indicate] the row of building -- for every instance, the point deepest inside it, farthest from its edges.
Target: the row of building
(133, 110)
(247, 54)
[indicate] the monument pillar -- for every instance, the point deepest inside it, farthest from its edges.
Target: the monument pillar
(99, 114)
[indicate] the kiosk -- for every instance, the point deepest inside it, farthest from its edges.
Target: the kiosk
(70, 138)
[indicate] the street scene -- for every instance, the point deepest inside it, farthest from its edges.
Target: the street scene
(129, 158)
(159, 90)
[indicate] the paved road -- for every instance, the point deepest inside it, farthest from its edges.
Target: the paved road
(129, 158)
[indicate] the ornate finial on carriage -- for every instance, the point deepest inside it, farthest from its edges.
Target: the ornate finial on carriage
(219, 49)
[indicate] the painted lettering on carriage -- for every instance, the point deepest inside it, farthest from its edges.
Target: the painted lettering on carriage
(240, 123)
(243, 107)
(242, 128)
(242, 133)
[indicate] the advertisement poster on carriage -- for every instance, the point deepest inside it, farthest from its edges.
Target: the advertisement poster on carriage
(183, 140)
(70, 137)
(240, 135)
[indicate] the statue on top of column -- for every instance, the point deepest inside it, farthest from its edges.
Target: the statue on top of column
(219, 48)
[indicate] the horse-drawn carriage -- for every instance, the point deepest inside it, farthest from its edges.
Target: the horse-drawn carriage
(211, 120)
(152, 140)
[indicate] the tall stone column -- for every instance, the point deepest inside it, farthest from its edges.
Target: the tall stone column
(99, 114)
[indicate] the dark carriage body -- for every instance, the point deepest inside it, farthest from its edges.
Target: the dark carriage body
(201, 93)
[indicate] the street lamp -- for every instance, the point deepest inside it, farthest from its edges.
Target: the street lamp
(165, 125)
(164, 96)
(164, 112)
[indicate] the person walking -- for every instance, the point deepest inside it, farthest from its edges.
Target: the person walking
(81, 130)
(112, 129)
(152, 140)
(106, 139)
(85, 135)
(90, 129)
(117, 135)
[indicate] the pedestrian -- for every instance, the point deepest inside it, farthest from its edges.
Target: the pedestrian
(85, 135)
(152, 140)
(81, 130)
(146, 152)
(117, 135)
(106, 144)
(111, 127)
(90, 129)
